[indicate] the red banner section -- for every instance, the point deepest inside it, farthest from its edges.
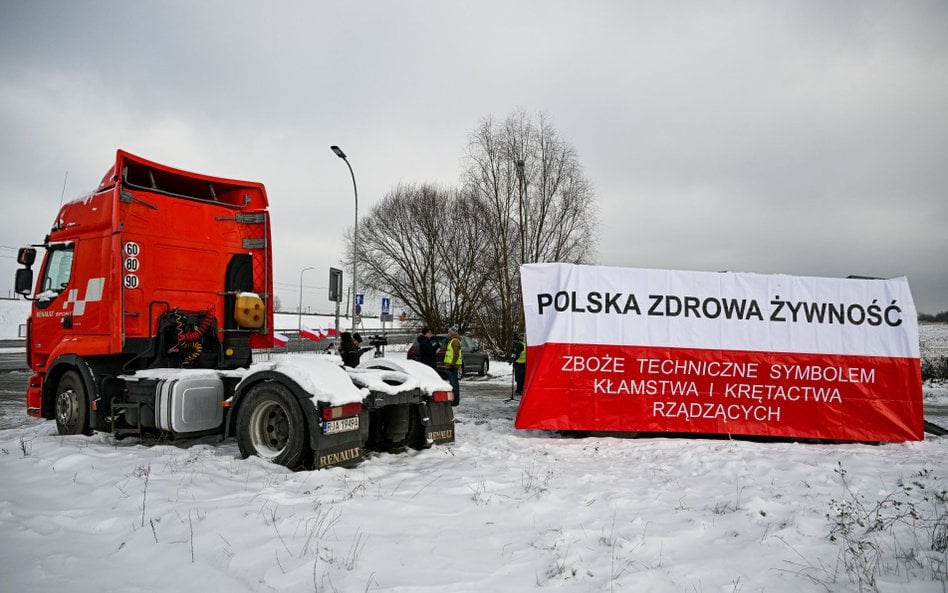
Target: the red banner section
(640, 389)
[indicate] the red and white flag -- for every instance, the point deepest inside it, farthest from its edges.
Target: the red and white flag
(279, 340)
(625, 349)
(311, 334)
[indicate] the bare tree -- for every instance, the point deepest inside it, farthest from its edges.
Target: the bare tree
(453, 256)
(420, 244)
(538, 207)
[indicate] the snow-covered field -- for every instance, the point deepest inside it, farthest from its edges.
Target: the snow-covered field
(933, 339)
(499, 510)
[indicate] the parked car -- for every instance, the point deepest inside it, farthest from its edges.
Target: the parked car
(474, 358)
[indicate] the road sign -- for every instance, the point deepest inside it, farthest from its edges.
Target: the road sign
(335, 285)
(386, 306)
(360, 298)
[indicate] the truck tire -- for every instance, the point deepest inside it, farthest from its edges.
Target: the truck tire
(72, 405)
(270, 425)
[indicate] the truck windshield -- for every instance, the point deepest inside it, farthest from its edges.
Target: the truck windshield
(58, 269)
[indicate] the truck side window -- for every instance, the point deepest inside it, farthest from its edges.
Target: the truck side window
(58, 271)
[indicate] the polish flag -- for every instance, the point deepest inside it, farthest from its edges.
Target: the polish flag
(279, 340)
(311, 334)
(330, 331)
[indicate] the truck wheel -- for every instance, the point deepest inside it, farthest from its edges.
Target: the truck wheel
(270, 425)
(484, 367)
(72, 412)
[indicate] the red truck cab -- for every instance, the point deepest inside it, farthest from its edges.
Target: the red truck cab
(146, 272)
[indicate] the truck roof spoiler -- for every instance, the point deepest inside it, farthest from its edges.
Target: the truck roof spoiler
(137, 173)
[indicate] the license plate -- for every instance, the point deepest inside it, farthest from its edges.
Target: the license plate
(341, 425)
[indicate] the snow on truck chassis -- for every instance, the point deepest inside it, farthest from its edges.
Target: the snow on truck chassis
(152, 296)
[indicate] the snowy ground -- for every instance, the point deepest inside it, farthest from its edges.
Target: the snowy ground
(499, 510)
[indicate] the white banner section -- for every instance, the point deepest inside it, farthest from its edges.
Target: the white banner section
(575, 304)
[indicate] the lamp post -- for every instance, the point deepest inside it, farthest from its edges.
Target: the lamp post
(524, 210)
(525, 244)
(355, 236)
(299, 319)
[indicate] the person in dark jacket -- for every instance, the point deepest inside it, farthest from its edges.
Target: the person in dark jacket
(518, 356)
(426, 350)
(350, 349)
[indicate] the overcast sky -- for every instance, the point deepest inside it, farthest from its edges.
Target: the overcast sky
(791, 137)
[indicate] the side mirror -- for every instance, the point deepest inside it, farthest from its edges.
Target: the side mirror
(24, 281)
(26, 256)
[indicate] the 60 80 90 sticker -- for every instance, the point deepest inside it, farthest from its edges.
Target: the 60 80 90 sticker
(131, 263)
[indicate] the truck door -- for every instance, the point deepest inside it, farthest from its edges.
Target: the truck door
(52, 315)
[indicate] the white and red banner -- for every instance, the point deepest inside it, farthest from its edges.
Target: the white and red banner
(637, 350)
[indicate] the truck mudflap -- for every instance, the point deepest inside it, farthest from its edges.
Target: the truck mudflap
(439, 429)
(343, 450)
(334, 436)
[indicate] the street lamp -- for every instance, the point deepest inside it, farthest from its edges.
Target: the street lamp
(355, 237)
(299, 320)
(524, 211)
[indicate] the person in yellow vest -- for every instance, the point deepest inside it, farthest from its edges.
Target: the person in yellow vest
(452, 362)
(518, 354)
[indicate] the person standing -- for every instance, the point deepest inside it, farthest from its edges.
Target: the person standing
(452, 362)
(426, 351)
(350, 349)
(518, 354)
